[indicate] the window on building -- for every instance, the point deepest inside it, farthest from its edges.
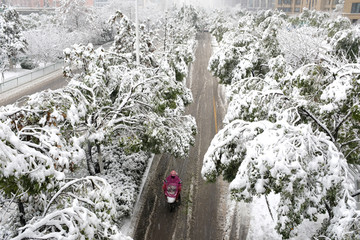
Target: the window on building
(100, 3)
(279, 2)
(298, 2)
(355, 8)
(297, 9)
(288, 2)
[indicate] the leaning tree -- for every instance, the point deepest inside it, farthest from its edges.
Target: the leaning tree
(290, 131)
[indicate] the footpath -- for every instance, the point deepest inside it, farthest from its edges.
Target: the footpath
(51, 80)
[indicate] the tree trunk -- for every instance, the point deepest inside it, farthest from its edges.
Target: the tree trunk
(329, 210)
(2, 79)
(89, 161)
(11, 63)
(22, 213)
(100, 159)
(268, 205)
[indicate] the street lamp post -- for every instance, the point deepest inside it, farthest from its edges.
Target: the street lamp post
(137, 33)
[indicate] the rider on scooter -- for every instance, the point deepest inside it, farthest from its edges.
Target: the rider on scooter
(173, 178)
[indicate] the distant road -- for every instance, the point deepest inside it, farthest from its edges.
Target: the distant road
(51, 81)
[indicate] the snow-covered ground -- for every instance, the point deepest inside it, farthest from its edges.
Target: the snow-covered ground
(18, 71)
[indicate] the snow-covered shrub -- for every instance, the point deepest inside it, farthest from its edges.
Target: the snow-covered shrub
(220, 25)
(28, 64)
(124, 173)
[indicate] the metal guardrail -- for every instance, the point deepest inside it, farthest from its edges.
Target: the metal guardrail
(28, 77)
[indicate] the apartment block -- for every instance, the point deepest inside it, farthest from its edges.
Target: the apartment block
(251, 4)
(296, 6)
(352, 10)
(38, 3)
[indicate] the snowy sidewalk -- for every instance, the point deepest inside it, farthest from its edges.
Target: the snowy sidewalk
(14, 94)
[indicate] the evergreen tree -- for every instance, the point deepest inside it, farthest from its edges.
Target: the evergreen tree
(12, 41)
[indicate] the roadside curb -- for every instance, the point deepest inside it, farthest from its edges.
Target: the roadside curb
(129, 227)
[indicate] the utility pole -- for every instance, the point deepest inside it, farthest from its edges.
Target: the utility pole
(137, 33)
(165, 31)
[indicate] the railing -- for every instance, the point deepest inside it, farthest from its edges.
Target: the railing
(28, 77)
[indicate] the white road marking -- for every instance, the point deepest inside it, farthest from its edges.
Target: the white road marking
(189, 211)
(151, 217)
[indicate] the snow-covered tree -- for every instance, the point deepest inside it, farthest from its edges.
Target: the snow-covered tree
(219, 26)
(75, 14)
(125, 38)
(88, 212)
(110, 104)
(141, 108)
(244, 52)
(12, 41)
(346, 43)
(34, 158)
(301, 46)
(290, 130)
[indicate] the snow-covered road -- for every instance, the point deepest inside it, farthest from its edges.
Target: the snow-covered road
(206, 211)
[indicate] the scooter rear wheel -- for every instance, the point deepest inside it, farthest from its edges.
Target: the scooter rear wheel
(172, 207)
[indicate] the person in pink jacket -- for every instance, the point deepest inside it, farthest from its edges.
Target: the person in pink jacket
(173, 178)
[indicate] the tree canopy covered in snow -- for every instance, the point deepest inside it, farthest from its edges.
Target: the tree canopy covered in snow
(72, 158)
(292, 120)
(12, 41)
(74, 14)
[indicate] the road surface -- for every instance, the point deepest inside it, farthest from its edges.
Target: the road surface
(206, 212)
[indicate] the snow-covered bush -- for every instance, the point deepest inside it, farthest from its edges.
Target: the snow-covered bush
(124, 173)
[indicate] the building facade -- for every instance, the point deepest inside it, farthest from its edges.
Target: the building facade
(352, 10)
(296, 6)
(56, 3)
(251, 4)
(100, 3)
(38, 3)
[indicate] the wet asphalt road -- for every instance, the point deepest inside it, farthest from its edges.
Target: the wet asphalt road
(202, 214)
